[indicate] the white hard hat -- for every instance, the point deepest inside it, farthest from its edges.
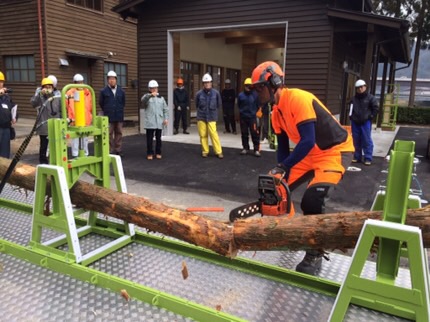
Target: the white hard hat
(54, 80)
(152, 84)
(111, 73)
(206, 78)
(78, 78)
(227, 81)
(360, 83)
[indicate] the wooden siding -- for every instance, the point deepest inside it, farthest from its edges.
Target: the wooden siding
(308, 46)
(20, 36)
(74, 28)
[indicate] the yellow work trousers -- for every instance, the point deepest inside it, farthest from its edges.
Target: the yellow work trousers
(209, 129)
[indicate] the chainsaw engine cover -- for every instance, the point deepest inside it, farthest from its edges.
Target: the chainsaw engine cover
(275, 198)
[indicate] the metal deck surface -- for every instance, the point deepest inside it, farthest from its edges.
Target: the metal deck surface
(32, 293)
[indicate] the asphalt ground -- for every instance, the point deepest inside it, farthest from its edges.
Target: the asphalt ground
(184, 178)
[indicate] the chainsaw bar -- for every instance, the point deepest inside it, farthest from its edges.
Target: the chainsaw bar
(245, 211)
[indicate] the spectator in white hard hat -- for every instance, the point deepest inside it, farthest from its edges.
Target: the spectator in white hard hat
(156, 117)
(208, 102)
(70, 105)
(112, 103)
(363, 108)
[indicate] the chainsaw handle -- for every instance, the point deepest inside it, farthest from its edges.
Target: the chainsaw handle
(287, 189)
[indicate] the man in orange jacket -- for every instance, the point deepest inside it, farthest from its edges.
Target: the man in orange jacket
(70, 105)
(323, 147)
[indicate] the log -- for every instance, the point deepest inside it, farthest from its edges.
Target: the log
(330, 231)
(186, 226)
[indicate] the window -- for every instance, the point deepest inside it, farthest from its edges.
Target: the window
(89, 4)
(120, 70)
(191, 75)
(20, 69)
(216, 73)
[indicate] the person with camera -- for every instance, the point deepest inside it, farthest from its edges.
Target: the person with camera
(7, 118)
(156, 117)
(47, 107)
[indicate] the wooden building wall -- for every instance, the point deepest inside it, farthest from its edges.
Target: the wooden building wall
(79, 29)
(68, 27)
(20, 36)
(308, 44)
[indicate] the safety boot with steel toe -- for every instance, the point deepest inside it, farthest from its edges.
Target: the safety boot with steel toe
(311, 263)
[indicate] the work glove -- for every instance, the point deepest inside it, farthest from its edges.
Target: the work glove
(279, 172)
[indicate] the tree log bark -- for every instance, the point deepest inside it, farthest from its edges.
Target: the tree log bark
(330, 231)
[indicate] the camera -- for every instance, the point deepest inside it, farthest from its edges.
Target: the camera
(7, 90)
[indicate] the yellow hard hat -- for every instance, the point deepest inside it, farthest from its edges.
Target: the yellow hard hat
(2, 77)
(47, 81)
(248, 81)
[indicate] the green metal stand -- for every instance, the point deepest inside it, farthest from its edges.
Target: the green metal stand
(62, 175)
(382, 294)
(273, 139)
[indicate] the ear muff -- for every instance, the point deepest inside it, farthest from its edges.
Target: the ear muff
(274, 80)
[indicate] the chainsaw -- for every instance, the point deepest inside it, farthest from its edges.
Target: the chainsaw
(275, 200)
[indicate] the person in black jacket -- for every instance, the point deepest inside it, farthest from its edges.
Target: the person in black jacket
(248, 106)
(7, 118)
(112, 103)
(181, 102)
(364, 107)
(228, 97)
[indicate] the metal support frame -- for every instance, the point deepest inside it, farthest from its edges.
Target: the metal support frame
(63, 174)
(389, 108)
(382, 294)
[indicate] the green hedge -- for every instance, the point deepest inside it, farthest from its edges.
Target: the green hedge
(415, 115)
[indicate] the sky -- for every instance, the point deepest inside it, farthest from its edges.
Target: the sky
(423, 67)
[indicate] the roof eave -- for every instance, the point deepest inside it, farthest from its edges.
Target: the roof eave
(127, 8)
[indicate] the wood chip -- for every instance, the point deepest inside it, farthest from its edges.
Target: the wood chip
(184, 270)
(125, 295)
(218, 307)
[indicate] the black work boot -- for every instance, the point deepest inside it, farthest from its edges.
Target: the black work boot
(311, 263)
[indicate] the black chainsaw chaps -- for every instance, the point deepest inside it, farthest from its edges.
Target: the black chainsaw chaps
(313, 201)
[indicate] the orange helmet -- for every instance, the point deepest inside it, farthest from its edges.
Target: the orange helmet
(268, 72)
(180, 81)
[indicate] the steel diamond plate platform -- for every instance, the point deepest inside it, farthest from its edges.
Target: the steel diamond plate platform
(32, 293)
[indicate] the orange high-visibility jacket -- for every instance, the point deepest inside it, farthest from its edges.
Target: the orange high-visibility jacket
(296, 107)
(70, 105)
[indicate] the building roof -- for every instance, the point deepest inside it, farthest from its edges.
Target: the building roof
(127, 8)
(392, 33)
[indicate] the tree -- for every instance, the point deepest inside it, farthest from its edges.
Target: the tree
(417, 12)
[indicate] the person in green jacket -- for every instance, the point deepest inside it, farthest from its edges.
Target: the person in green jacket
(156, 116)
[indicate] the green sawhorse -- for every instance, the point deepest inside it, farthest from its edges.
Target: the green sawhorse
(395, 240)
(60, 175)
